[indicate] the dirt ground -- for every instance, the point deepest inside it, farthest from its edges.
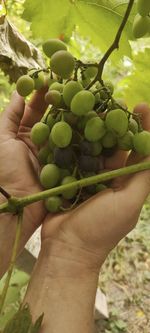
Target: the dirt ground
(126, 281)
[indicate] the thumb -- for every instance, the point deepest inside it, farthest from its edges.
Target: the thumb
(11, 117)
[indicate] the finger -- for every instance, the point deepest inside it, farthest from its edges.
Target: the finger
(11, 118)
(35, 109)
(143, 110)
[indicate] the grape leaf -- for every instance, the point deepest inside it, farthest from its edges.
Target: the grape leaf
(96, 19)
(17, 55)
(135, 87)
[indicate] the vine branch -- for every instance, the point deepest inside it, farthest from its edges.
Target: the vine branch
(115, 45)
(14, 204)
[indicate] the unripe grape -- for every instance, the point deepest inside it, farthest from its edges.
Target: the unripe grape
(133, 126)
(82, 103)
(57, 86)
(64, 173)
(49, 176)
(94, 129)
(61, 134)
(90, 72)
(109, 140)
(69, 194)
(62, 63)
(97, 98)
(126, 141)
(96, 148)
(50, 121)
(141, 142)
(25, 85)
(109, 86)
(53, 45)
(117, 122)
(63, 157)
(39, 133)
(141, 26)
(43, 154)
(39, 80)
(53, 97)
(70, 90)
(86, 147)
(143, 7)
(53, 204)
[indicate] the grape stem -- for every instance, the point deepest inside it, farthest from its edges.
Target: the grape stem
(4, 193)
(114, 45)
(14, 204)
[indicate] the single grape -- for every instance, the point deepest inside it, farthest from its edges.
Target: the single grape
(39, 133)
(97, 98)
(96, 148)
(53, 204)
(83, 120)
(143, 7)
(109, 86)
(57, 86)
(133, 126)
(64, 173)
(70, 118)
(39, 80)
(85, 82)
(94, 129)
(50, 158)
(63, 157)
(103, 94)
(70, 90)
(90, 72)
(141, 142)
(82, 103)
(126, 141)
(25, 85)
(117, 122)
(53, 45)
(89, 163)
(100, 188)
(61, 134)
(53, 97)
(49, 176)
(43, 154)
(141, 26)
(62, 63)
(86, 147)
(50, 121)
(71, 193)
(109, 140)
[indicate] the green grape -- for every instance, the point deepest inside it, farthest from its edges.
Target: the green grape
(25, 85)
(50, 121)
(141, 26)
(57, 86)
(85, 82)
(97, 98)
(53, 204)
(109, 86)
(100, 188)
(96, 148)
(49, 176)
(53, 45)
(39, 80)
(133, 126)
(126, 141)
(61, 134)
(71, 193)
(103, 94)
(62, 63)
(141, 142)
(50, 158)
(109, 140)
(117, 122)
(91, 72)
(143, 7)
(94, 129)
(83, 120)
(43, 154)
(70, 90)
(53, 97)
(39, 133)
(82, 103)
(64, 173)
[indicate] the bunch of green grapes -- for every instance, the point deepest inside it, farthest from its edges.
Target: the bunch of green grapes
(82, 125)
(141, 24)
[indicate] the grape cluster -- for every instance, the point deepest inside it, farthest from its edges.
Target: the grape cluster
(82, 125)
(141, 24)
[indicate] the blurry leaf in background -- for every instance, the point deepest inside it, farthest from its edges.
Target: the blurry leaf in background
(135, 88)
(95, 19)
(17, 55)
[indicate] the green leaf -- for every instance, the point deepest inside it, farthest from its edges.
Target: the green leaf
(95, 19)
(21, 322)
(135, 87)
